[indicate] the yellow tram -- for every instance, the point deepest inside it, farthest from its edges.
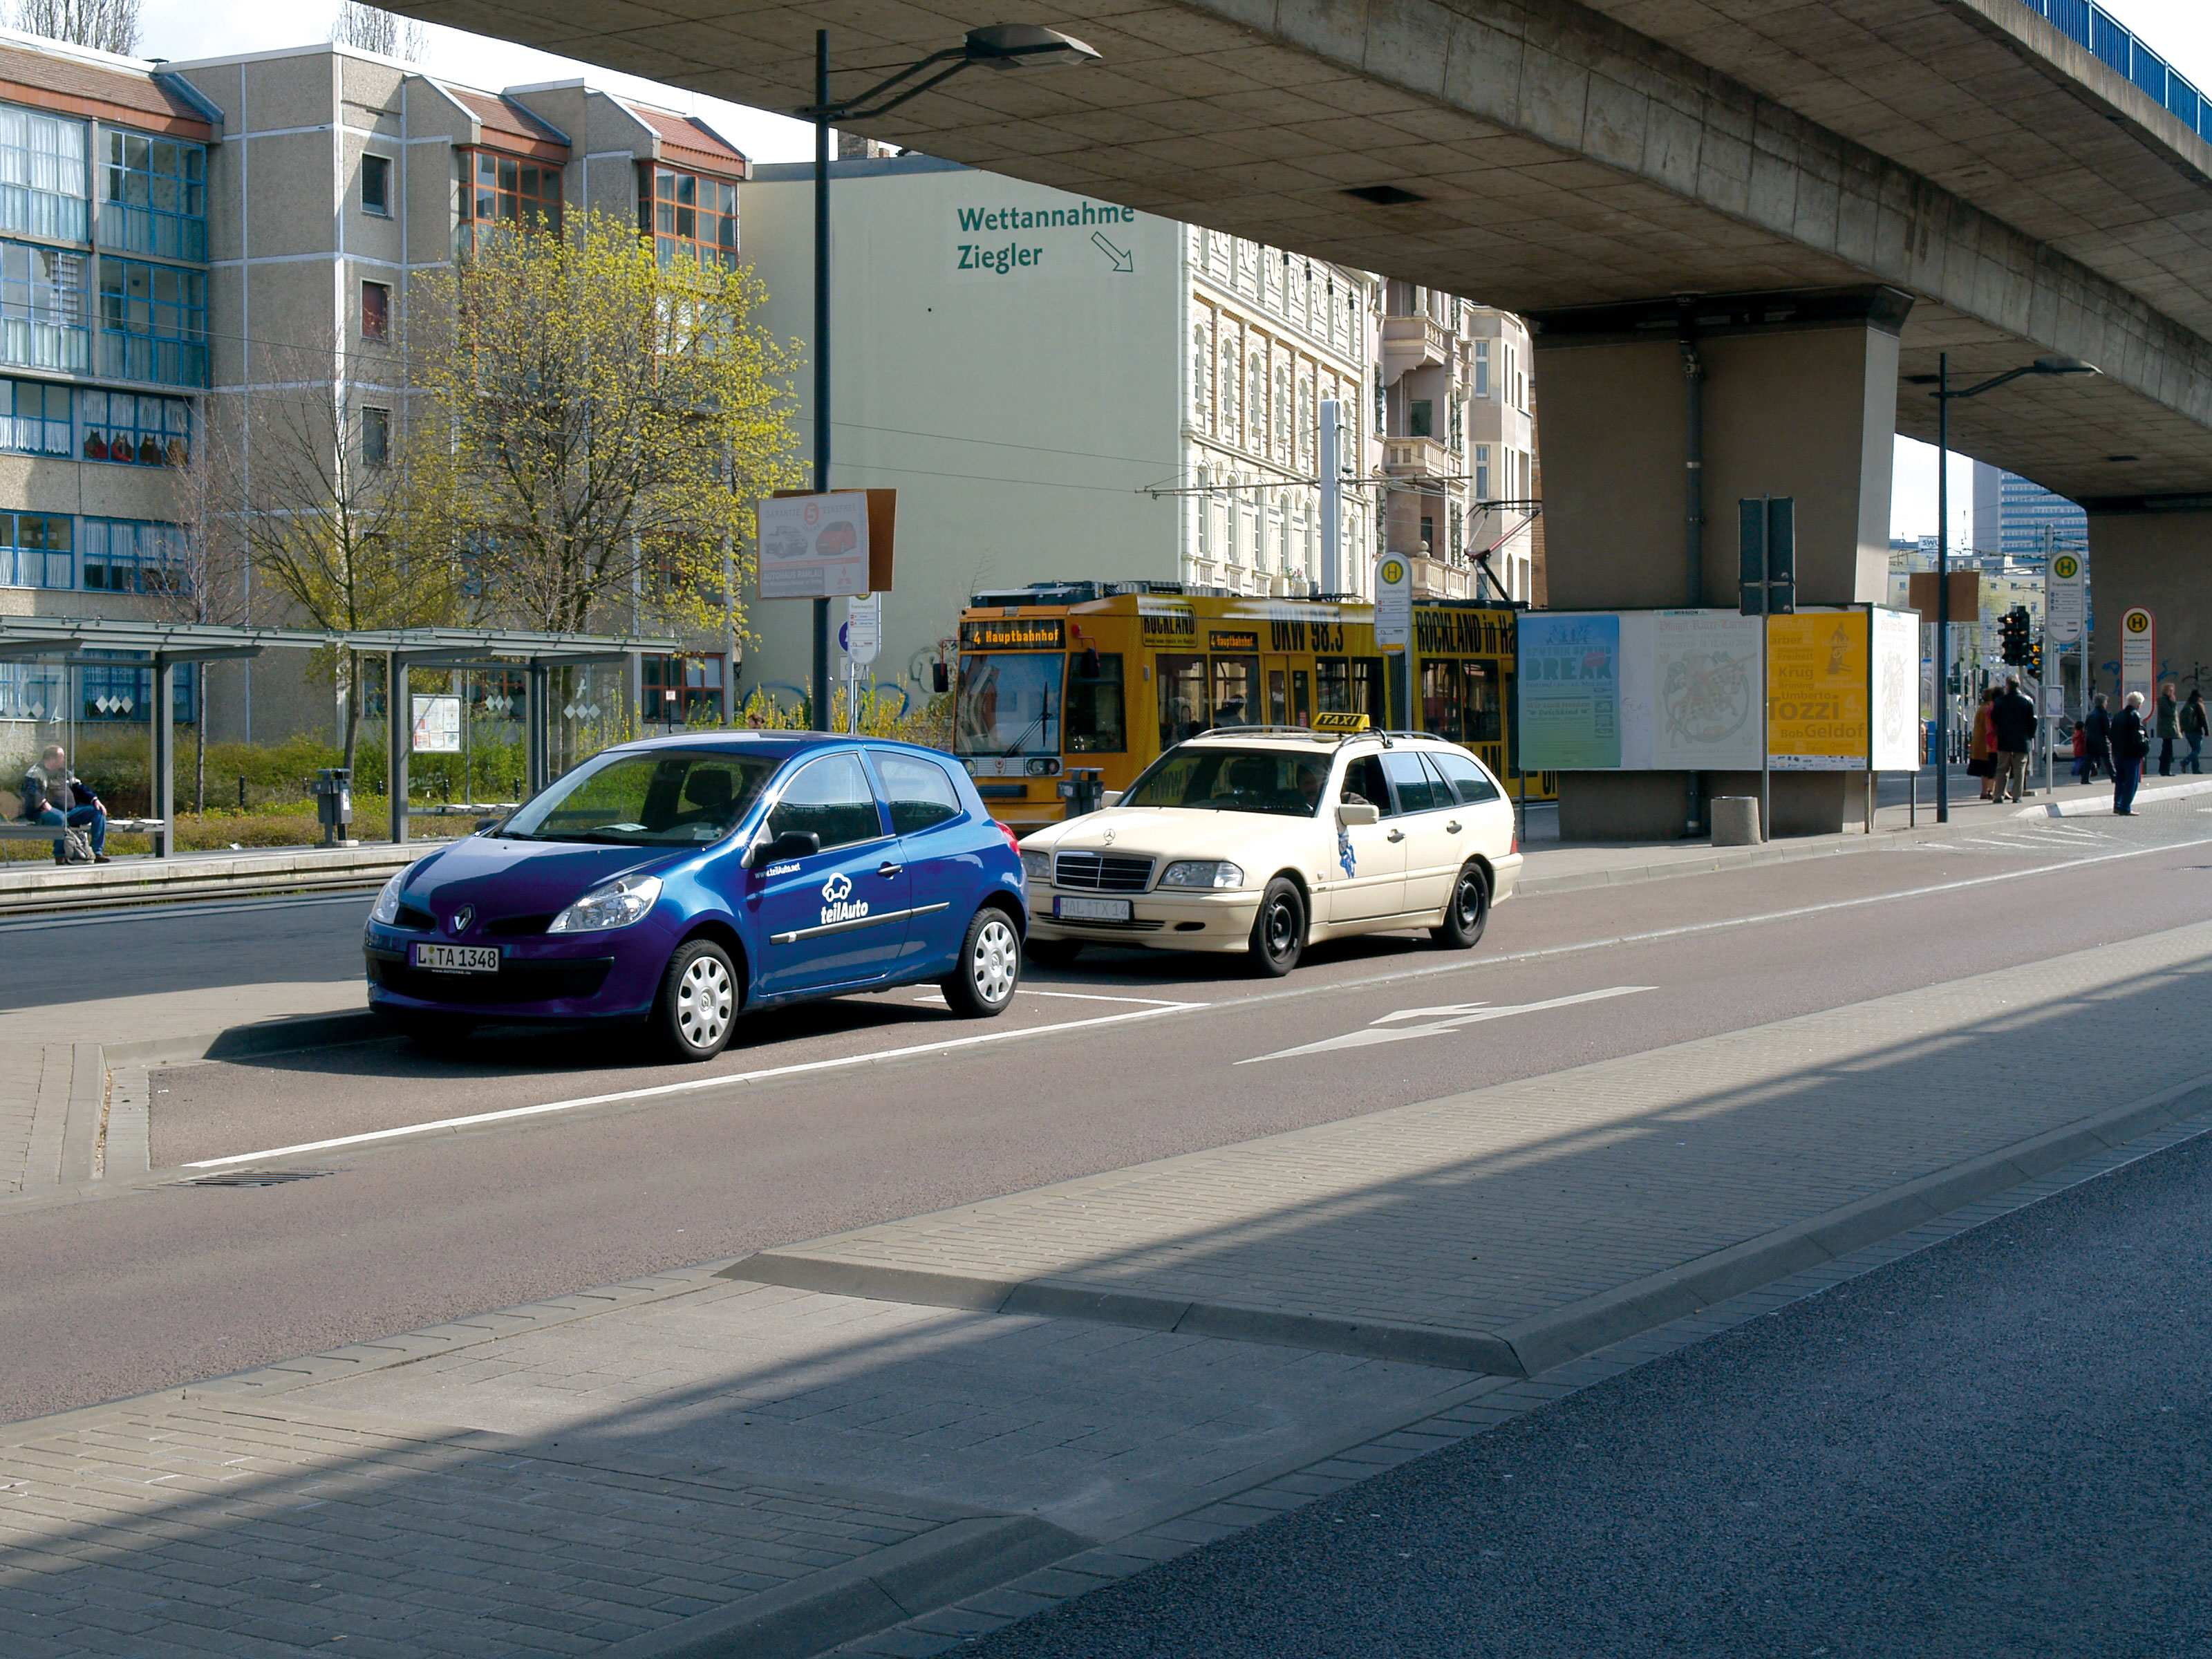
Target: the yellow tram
(1063, 675)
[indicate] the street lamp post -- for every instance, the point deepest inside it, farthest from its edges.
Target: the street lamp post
(1944, 397)
(998, 46)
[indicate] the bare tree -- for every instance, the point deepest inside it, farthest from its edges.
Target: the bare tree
(372, 28)
(103, 25)
(329, 525)
(203, 577)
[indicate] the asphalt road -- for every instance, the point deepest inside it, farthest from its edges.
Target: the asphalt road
(1998, 1447)
(1132, 1057)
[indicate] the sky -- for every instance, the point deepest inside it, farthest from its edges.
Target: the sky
(2178, 30)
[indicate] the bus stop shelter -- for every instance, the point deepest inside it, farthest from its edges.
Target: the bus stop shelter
(165, 646)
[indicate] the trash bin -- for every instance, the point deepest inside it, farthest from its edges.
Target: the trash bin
(334, 803)
(1736, 820)
(1084, 789)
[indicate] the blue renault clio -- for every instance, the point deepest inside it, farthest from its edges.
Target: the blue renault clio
(680, 881)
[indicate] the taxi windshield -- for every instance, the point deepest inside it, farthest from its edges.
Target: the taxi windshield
(1009, 703)
(1222, 780)
(653, 800)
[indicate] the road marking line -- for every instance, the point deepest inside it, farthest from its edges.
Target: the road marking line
(186, 910)
(448, 1125)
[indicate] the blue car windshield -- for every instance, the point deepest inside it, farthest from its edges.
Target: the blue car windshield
(657, 798)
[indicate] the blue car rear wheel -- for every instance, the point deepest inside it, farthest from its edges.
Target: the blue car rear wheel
(697, 1008)
(990, 968)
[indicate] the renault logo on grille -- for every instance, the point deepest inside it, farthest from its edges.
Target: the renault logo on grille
(462, 918)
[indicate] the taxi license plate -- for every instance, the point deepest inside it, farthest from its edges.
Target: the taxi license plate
(457, 958)
(1090, 909)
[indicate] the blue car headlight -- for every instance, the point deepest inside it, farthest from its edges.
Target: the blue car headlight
(1207, 872)
(387, 908)
(616, 904)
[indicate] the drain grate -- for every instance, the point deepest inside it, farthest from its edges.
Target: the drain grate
(253, 1177)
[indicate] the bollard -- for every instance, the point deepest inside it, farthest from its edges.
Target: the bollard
(1736, 820)
(1082, 789)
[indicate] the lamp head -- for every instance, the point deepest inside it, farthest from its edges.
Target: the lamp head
(2064, 366)
(1026, 46)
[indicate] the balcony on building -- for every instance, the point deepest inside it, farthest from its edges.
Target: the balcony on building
(1416, 457)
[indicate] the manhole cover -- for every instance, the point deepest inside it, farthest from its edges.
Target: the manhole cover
(252, 1177)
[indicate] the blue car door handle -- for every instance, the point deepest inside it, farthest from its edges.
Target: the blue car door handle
(887, 868)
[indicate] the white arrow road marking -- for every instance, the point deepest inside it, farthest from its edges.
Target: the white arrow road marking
(1468, 1014)
(1449, 1009)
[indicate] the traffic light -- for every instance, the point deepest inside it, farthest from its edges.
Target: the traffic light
(2035, 659)
(2012, 635)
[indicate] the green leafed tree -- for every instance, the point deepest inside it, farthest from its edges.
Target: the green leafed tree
(605, 423)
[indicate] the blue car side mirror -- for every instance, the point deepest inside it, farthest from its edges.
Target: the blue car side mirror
(790, 845)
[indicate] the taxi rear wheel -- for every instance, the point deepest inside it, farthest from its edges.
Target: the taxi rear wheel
(1467, 912)
(1279, 932)
(990, 968)
(697, 1008)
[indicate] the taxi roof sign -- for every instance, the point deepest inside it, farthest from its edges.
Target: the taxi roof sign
(1341, 723)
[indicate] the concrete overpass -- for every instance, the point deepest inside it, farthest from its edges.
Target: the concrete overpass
(1816, 197)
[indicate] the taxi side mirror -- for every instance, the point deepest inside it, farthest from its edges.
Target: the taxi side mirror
(1353, 814)
(779, 850)
(1109, 798)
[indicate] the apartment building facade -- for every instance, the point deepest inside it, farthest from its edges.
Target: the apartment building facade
(233, 246)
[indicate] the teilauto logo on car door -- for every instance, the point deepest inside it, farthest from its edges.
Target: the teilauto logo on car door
(838, 903)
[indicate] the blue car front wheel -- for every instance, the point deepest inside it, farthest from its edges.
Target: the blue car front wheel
(698, 1003)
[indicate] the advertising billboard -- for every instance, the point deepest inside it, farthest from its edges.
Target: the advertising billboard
(1895, 741)
(1702, 671)
(1569, 668)
(1818, 712)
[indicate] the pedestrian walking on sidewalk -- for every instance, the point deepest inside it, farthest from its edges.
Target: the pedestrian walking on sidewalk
(2097, 734)
(2012, 724)
(2130, 746)
(2193, 728)
(1981, 745)
(2169, 728)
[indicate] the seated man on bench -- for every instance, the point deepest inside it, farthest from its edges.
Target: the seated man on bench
(54, 794)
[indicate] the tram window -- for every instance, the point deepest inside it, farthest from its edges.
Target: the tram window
(1334, 675)
(1368, 689)
(1096, 716)
(1237, 691)
(1008, 704)
(1301, 697)
(1440, 705)
(1483, 711)
(1278, 697)
(1183, 709)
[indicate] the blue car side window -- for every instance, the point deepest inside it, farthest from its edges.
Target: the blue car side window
(921, 792)
(829, 796)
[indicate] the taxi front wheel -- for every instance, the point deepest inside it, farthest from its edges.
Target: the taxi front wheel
(1468, 911)
(990, 966)
(1279, 932)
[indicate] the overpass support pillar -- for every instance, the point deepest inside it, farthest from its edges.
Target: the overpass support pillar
(1794, 394)
(2153, 552)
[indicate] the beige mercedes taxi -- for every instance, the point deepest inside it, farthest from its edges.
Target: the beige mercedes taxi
(1266, 839)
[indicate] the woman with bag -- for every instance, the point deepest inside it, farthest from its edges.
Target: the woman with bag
(1981, 744)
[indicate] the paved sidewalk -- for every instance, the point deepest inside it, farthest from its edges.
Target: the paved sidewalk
(708, 1462)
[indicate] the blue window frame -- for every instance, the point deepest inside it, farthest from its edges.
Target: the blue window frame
(133, 430)
(42, 322)
(31, 690)
(115, 686)
(154, 196)
(34, 417)
(42, 188)
(133, 555)
(36, 551)
(153, 321)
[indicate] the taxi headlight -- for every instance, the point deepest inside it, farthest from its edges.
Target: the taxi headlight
(1207, 872)
(387, 908)
(617, 904)
(1036, 866)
